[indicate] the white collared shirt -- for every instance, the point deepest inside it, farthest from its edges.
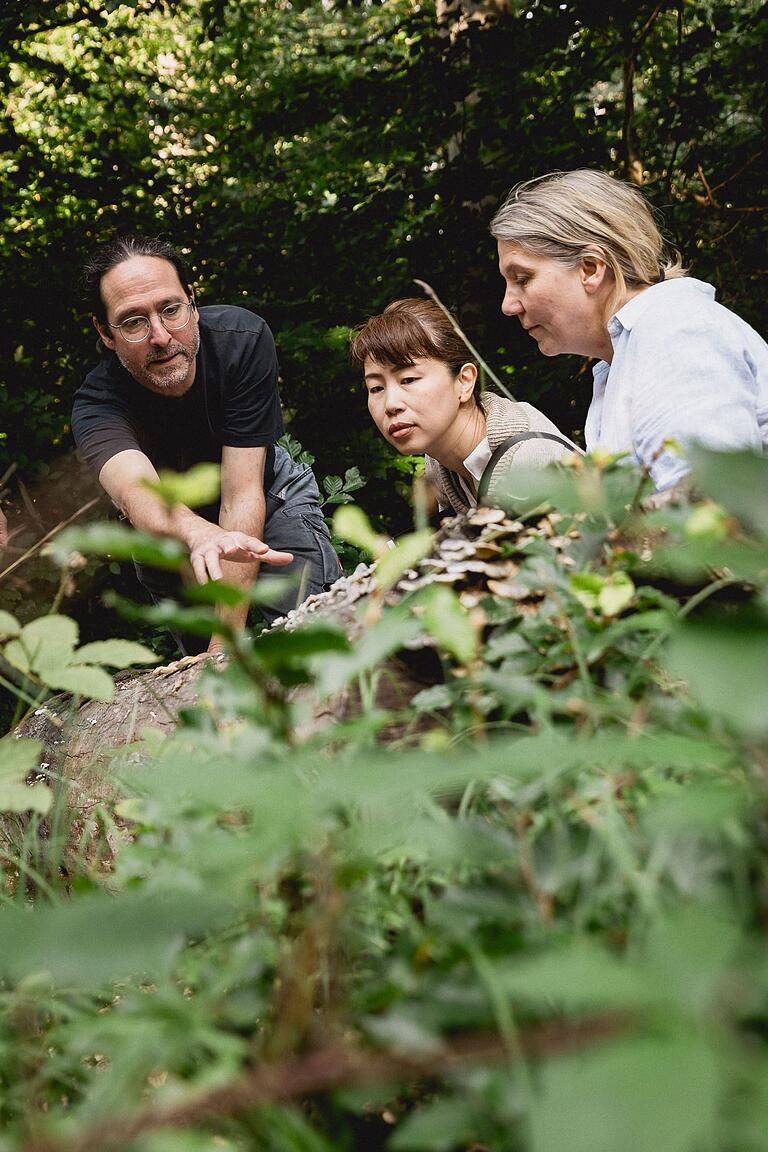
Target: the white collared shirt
(684, 368)
(476, 463)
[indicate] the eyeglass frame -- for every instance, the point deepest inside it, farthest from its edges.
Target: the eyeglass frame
(190, 304)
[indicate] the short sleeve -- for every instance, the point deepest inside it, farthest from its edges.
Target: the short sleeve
(251, 415)
(101, 427)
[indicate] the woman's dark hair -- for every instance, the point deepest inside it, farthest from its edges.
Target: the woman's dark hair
(114, 252)
(406, 330)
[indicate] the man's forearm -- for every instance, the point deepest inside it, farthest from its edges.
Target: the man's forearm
(148, 513)
(241, 516)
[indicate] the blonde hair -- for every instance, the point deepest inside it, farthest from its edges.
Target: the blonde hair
(568, 215)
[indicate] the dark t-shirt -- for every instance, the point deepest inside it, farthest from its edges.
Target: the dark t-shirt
(233, 401)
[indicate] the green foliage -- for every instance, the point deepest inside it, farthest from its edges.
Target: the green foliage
(200, 485)
(45, 651)
(17, 759)
(532, 923)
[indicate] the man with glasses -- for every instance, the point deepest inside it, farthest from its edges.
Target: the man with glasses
(177, 386)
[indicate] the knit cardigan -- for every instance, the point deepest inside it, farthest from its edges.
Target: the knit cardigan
(504, 418)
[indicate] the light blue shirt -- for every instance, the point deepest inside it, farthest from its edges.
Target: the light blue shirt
(684, 368)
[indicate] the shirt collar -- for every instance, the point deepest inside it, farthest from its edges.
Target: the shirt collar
(477, 461)
(629, 314)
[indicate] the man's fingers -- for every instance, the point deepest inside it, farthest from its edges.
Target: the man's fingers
(212, 563)
(199, 568)
(235, 547)
(272, 557)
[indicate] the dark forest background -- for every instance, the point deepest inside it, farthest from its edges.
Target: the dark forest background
(312, 158)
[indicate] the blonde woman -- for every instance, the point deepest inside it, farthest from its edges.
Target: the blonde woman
(587, 272)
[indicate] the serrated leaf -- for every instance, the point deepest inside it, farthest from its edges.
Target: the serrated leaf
(353, 480)
(9, 625)
(200, 485)
(82, 680)
(332, 485)
(116, 653)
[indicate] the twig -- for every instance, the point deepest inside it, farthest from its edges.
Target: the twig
(460, 333)
(29, 504)
(7, 474)
(324, 1070)
(44, 539)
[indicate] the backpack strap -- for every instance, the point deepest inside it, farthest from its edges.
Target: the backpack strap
(510, 442)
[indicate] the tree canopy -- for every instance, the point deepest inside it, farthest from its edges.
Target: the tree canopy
(313, 158)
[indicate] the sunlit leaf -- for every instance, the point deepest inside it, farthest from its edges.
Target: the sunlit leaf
(351, 523)
(450, 623)
(200, 485)
(408, 551)
(9, 625)
(83, 680)
(116, 653)
(616, 594)
(49, 641)
(119, 542)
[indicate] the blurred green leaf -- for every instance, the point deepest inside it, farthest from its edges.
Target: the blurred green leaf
(200, 485)
(437, 1126)
(116, 653)
(648, 1094)
(9, 625)
(724, 660)
(119, 542)
(407, 553)
(82, 680)
(352, 524)
(98, 939)
(17, 759)
(449, 622)
(738, 481)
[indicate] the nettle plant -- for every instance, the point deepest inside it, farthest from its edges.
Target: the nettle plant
(533, 923)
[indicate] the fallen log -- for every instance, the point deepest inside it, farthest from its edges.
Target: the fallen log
(476, 555)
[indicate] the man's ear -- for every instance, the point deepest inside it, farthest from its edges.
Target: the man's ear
(191, 294)
(467, 379)
(593, 270)
(103, 332)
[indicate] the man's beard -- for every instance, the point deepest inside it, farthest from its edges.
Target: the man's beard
(167, 381)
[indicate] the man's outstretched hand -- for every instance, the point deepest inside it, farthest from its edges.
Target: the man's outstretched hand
(211, 547)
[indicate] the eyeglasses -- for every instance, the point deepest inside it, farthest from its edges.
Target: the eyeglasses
(173, 317)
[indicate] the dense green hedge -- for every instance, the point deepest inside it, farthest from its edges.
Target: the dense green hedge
(314, 158)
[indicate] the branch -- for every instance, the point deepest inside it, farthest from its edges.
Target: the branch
(710, 201)
(463, 336)
(324, 1070)
(63, 524)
